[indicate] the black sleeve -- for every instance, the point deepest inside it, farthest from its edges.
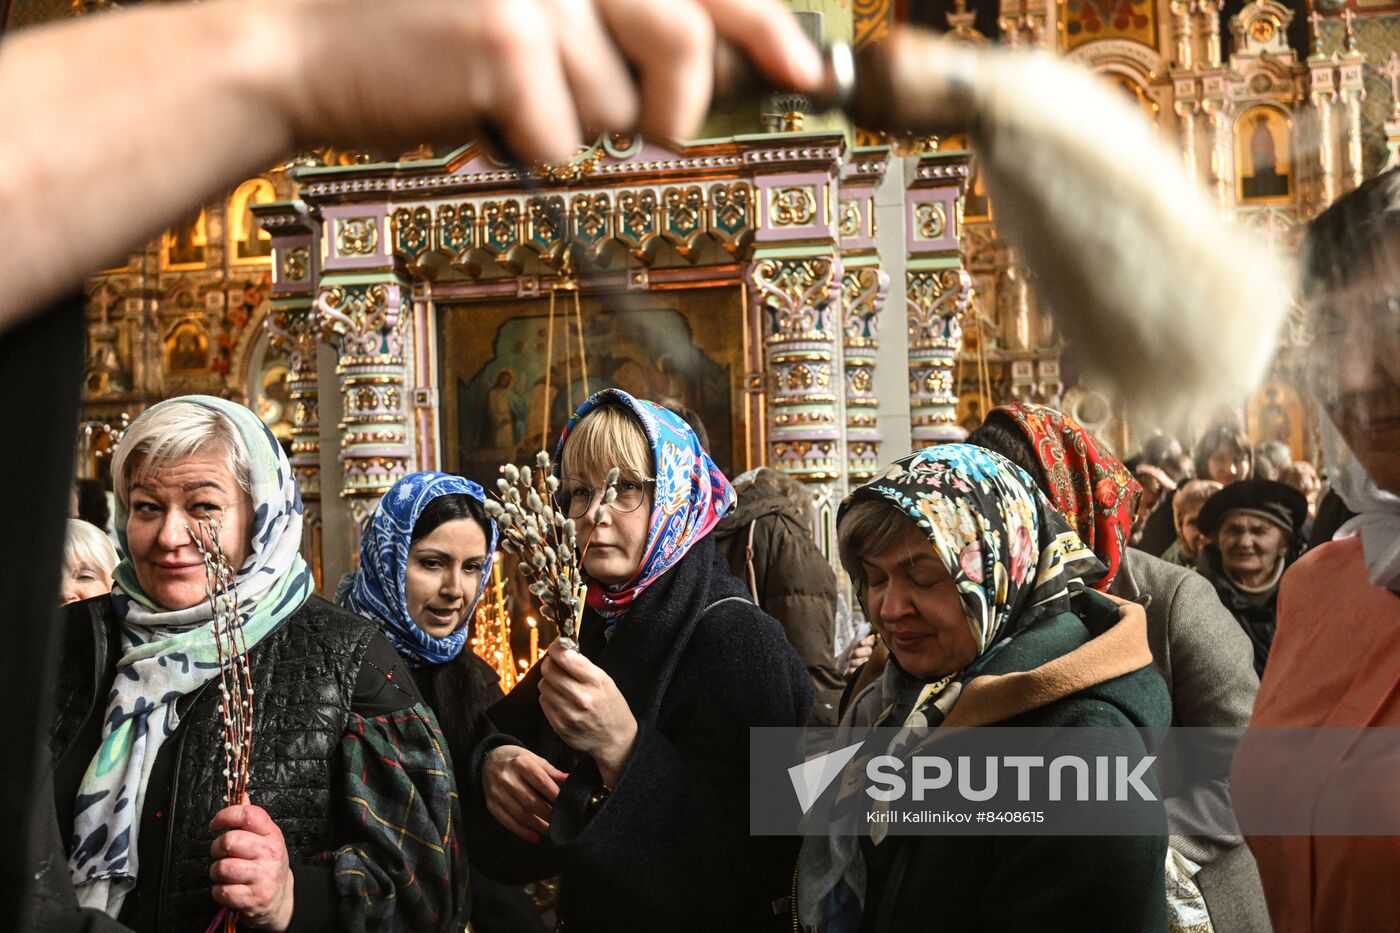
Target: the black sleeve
(41, 364)
(515, 720)
(315, 899)
(385, 684)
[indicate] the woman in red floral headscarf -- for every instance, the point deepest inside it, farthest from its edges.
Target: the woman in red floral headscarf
(1196, 646)
(1083, 481)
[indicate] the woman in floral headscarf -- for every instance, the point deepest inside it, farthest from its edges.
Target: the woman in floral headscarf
(1196, 646)
(350, 822)
(980, 591)
(623, 765)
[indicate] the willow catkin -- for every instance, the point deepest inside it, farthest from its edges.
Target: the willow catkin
(1172, 305)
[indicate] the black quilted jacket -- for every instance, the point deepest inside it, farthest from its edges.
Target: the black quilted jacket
(305, 682)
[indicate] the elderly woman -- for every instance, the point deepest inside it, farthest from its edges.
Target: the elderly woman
(1335, 659)
(424, 560)
(1254, 532)
(624, 764)
(1198, 649)
(954, 551)
(1186, 509)
(88, 562)
(351, 822)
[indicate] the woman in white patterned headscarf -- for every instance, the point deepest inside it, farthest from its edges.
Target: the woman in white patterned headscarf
(352, 800)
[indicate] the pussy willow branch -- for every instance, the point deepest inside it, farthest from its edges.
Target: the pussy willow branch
(532, 526)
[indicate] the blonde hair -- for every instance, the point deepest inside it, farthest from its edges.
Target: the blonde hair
(176, 431)
(87, 546)
(609, 436)
(868, 527)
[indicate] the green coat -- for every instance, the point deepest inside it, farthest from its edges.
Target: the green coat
(999, 884)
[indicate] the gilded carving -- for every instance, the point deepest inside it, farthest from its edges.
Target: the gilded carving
(862, 379)
(547, 222)
(571, 169)
(296, 264)
(850, 218)
(935, 301)
(361, 317)
(800, 377)
(937, 381)
(794, 206)
(591, 216)
(501, 225)
(685, 210)
(863, 293)
(357, 236)
(637, 216)
(457, 227)
(931, 220)
(796, 292)
(365, 399)
(729, 209)
(410, 229)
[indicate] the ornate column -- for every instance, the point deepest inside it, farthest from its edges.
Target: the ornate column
(864, 286)
(1222, 142)
(1322, 93)
(1183, 33)
(794, 281)
(1186, 112)
(365, 310)
(1209, 13)
(1391, 72)
(293, 326)
(1352, 79)
(938, 290)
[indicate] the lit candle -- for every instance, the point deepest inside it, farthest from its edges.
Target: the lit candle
(534, 640)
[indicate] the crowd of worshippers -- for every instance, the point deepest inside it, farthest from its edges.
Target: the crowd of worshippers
(395, 787)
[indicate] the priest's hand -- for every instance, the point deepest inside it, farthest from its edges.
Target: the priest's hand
(586, 709)
(251, 873)
(520, 788)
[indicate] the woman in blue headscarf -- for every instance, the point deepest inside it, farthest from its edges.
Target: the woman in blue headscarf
(623, 765)
(424, 561)
(351, 822)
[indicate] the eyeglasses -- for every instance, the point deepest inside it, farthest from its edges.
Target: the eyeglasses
(574, 498)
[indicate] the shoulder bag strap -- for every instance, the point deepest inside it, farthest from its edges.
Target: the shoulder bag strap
(674, 660)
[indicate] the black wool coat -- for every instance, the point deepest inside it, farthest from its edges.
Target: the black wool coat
(670, 848)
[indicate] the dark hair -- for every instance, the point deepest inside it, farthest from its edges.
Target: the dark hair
(1154, 449)
(446, 509)
(689, 416)
(1353, 236)
(1000, 435)
(460, 690)
(459, 693)
(1213, 438)
(92, 502)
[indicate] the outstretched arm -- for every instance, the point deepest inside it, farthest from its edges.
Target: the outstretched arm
(104, 141)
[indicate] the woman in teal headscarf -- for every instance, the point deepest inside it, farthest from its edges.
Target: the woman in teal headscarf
(350, 821)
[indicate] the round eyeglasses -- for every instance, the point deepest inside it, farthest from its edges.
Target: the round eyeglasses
(574, 498)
